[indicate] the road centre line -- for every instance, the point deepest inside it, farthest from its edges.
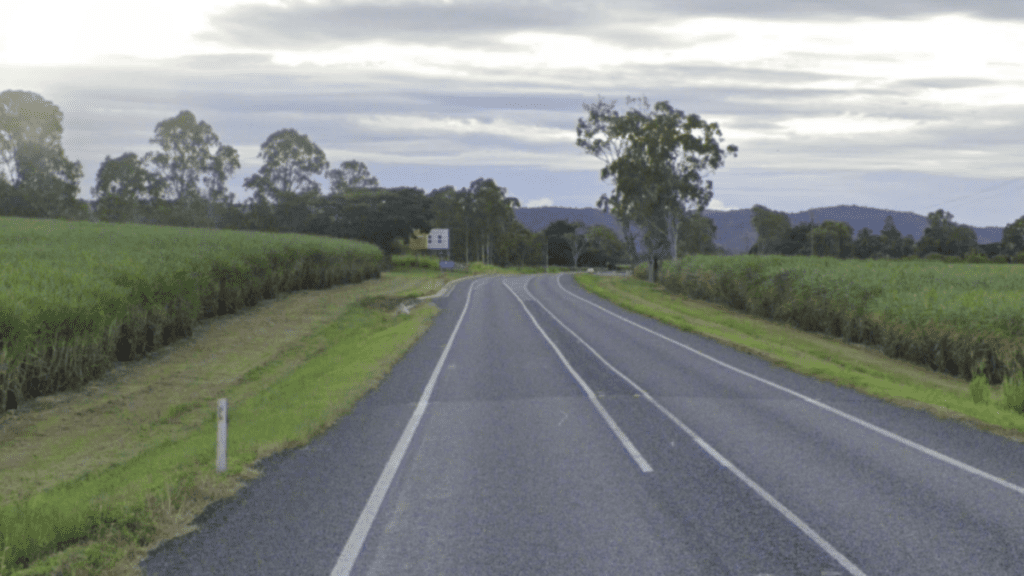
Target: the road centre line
(623, 439)
(354, 544)
(764, 494)
(891, 435)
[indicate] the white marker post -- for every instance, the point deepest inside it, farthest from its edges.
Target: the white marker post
(222, 435)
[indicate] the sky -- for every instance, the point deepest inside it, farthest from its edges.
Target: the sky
(902, 105)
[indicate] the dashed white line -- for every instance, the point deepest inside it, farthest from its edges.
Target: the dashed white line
(891, 435)
(641, 462)
(764, 494)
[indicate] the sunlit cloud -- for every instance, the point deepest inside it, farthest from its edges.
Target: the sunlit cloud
(844, 125)
(539, 203)
(718, 205)
(465, 126)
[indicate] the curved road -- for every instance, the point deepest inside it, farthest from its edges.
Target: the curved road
(537, 429)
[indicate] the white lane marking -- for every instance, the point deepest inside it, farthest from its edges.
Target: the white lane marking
(793, 518)
(891, 435)
(354, 544)
(517, 286)
(623, 439)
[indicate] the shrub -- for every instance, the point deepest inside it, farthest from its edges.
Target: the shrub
(415, 261)
(1019, 257)
(1013, 392)
(999, 259)
(980, 389)
(975, 258)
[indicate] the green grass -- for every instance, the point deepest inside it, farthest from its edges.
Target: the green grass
(77, 296)
(102, 521)
(820, 356)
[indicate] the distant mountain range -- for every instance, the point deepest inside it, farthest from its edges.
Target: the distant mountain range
(736, 233)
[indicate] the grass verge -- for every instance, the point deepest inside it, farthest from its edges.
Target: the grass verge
(92, 480)
(817, 355)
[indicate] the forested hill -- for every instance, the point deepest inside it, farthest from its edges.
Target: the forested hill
(735, 231)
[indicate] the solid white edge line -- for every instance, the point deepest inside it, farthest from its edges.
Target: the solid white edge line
(764, 494)
(891, 435)
(354, 544)
(641, 462)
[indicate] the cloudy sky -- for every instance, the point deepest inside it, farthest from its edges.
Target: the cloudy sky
(910, 106)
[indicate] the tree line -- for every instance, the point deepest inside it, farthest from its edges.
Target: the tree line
(184, 183)
(943, 238)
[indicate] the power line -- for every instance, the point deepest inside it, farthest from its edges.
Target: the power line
(976, 195)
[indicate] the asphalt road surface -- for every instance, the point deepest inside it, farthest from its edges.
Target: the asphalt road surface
(537, 429)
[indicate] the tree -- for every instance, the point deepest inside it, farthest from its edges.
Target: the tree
(604, 247)
(833, 239)
(892, 240)
(446, 211)
(697, 234)
(480, 220)
(577, 241)
(798, 241)
(558, 249)
(1013, 237)
(493, 210)
(964, 240)
(125, 190)
(286, 179)
(195, 167)
(607, 204)
(351, 174)
(383, 216)
(867, 245)
(658, 159)
(946, 237)
(36, 178)
(772, 229)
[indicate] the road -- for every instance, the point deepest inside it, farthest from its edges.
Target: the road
(537, 429)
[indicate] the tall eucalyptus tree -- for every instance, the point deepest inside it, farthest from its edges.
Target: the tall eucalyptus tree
(658, 158)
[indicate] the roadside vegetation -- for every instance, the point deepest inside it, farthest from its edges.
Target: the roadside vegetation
(92, 479)
(827, 357)
(78, 296)
(965, 320)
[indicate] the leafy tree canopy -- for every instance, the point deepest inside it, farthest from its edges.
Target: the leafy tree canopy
(658, 158)
(290, 163)
(772, 228)
(36, 178)
(122, 185)
(350, 175)
(192, 160)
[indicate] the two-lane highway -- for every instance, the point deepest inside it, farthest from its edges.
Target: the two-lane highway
(537, 429)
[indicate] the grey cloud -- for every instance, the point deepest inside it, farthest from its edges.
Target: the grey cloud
(944, 83)
(302, 25)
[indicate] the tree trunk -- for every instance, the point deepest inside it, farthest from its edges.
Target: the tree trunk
(672, 231)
